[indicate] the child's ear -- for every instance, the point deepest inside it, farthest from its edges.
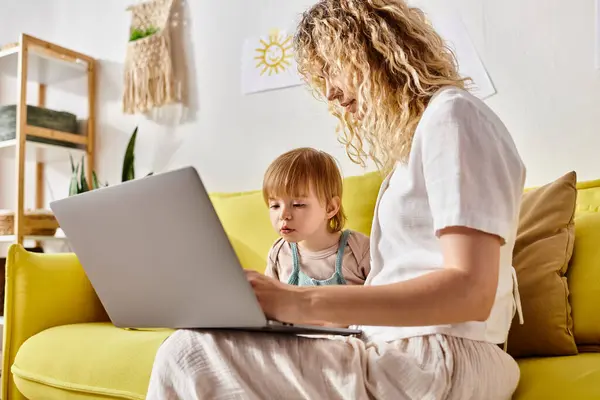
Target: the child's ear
(334, 207)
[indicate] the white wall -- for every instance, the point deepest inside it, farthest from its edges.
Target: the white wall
(539, 55)
(230, 138)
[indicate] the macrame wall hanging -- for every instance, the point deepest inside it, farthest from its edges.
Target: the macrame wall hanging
(149, 80)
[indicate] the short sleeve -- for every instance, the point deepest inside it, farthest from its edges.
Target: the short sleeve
(364, 265)
(360, 245)
(272, 269)
(473, 174)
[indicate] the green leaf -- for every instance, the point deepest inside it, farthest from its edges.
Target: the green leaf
(72, 163)
(95, 182)
(128, 172)
(83, 182)
(74, 184)
(138, 33)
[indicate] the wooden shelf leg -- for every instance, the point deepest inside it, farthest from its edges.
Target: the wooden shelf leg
(91, 123)
(39, 166)
(20, 139)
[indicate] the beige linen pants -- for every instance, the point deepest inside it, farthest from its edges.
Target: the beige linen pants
(230, 365)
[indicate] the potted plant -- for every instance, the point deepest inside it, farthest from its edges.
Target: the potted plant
(79, 183)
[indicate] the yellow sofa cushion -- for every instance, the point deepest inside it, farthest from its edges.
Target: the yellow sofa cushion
(584, 271)
(588, 197)
(360, 196)
(569, 377)
(42, 291)
(245, 217)
(82, 360)
(584, 280)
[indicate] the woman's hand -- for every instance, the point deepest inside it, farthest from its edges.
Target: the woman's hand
(279, 301)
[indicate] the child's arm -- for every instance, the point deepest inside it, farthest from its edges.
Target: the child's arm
(271, 270)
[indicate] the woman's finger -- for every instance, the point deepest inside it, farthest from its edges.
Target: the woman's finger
(253, 277)
(250, 275)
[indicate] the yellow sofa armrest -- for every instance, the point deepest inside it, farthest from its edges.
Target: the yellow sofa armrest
(42, 291)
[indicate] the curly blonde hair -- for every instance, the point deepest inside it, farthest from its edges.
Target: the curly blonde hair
(391, 56)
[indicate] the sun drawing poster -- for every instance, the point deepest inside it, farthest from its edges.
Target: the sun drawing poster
(268, 63)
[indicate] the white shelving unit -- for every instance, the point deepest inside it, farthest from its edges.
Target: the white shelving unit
(12, 238)
(47, 63)
(40, 152)
(35, 60)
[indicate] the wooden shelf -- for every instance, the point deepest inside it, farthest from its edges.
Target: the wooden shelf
(40, 152)
(46, 152)
(12, 238)
(46, 65)
(56, 135)
(33, 59)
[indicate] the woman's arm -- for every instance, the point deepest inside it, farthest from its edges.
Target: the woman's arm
(464, 290)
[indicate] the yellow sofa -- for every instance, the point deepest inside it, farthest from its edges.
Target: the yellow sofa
(58, 343)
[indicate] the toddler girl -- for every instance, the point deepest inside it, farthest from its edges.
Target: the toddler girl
(303, 189)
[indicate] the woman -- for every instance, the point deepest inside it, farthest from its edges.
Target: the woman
(439, 297)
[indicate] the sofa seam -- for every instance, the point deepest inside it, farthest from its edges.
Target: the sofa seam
(570, 245)
(16, 371)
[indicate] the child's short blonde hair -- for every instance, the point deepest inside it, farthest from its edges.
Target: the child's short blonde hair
(294, 174)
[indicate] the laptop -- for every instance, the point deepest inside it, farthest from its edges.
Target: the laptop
(157, 255)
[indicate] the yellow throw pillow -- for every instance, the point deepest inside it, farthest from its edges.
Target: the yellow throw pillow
(542, 252)
(584, 281)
